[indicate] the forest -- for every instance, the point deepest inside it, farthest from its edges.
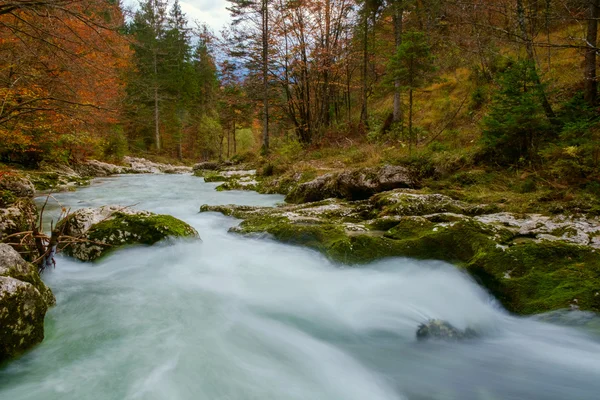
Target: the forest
(501, 83)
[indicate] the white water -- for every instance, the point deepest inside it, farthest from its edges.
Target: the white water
(235, 318)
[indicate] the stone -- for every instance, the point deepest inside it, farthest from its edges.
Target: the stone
(207, 165)
(95, 168)
(14, 266)
(22, 312)
(442, 330)
(143, 166)
(17, 185)
(101, 230)
(358, 184)
(24, 300)
(507, 254)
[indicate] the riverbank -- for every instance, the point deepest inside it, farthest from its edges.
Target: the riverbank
(533, 262)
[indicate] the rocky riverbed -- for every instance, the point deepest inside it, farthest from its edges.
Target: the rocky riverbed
(531, 262)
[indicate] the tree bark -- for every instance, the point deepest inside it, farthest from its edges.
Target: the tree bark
(156, 116)
(265, 77)
(591, 82)
(397, 19)
(365, 62)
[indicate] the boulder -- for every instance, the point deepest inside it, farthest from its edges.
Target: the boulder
(17, 185)
(207, 165)
(94, 168)
(143, 166)
(438, 329)
(14, 266)
(24, 300)
(16, 217)
(22, 312)
(358, 184)
(528, 272)
(101, 230)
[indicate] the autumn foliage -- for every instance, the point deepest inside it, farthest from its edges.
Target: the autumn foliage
(60, 83)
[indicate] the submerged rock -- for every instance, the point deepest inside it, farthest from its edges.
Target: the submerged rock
(24, 300)
(97, 231)
(359, 184)
(442, 330)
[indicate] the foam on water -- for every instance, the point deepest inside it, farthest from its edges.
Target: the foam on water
(248, 318)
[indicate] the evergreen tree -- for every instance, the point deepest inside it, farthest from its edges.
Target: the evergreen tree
(516, 123)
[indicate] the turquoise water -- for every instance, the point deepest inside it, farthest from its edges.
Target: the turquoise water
(237, 318)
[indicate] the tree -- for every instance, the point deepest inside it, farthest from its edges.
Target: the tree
(251, 23)
(412, 66)
(145, 85)
(516, 123)
(591, 79)
(60, 64)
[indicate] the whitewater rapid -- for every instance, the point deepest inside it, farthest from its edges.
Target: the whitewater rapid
(236, 318)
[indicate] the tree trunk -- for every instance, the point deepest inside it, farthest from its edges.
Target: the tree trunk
(156, 119)
(397, 18)
(531, 56)
(410, 120)
(234, 140)
(265, 77)
(591, 83)
(365, 62)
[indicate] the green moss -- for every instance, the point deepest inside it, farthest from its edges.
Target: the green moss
(527, 277)
(533, 277)
(125, 229)
(144, 229)
(44, 180)
(212, 176)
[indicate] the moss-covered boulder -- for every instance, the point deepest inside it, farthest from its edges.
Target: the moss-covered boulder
(97, 231)
(14, 266)
(357, 184)
(528, 271)
(24, 300)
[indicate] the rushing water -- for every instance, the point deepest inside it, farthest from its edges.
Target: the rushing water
(236, 318)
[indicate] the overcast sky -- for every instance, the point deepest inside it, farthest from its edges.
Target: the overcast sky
(211, 12)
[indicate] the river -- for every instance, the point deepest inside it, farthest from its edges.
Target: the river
(235, 318)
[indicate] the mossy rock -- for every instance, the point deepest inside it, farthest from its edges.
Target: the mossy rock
(14, 266)
(528, 277)
(22, 312)
(24, 300)
(108, 228)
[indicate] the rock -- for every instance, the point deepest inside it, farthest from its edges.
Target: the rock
(442, 330)
(352, 185)
(143, 166)
(14, 266)
(17, 185)
(107, 228)
(528, 274)
(24, 300)
(207, 166)
(17, 217)
(576, 230)
(22, 312)
(94, 168)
